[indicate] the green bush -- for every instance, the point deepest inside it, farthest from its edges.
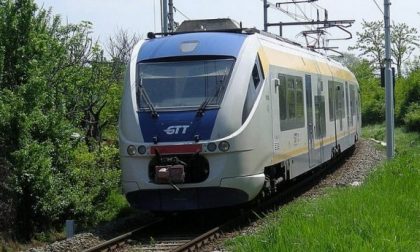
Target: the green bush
(412, 117)
(407, 92)
(372, 95)
(373, 109)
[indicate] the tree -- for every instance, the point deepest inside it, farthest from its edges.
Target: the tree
(119, 48)
(370, 42)
(404, 42)
(15, 33)
(348, 60)
(53, 78)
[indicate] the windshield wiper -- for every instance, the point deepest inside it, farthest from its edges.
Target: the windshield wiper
(146, 97)
(209, 99)
(202, 108)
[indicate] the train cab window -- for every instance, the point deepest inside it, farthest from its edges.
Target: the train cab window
(256, 76)
(183, 85)
(291, 102)
(254, 88)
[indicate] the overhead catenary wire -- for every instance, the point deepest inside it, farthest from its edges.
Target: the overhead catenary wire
(154, 16)
(289, 14)
(379, 7)
(180, 12)
(295, 17)
(317, 6)
(300, 9)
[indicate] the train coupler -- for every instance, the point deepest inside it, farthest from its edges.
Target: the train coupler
(169, 174)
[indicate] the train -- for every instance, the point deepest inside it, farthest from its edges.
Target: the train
(215, 115)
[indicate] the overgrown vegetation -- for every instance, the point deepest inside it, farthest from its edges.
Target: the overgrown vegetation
(59, 102)
(382, 214)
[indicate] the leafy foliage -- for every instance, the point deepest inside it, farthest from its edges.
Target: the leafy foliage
(370, 43)
(59, 100)
(412, 118)
(404, 42)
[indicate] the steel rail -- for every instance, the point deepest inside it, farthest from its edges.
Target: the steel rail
(119, 240)
(199, 241)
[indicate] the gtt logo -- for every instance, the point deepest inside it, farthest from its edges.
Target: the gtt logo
(178, 129)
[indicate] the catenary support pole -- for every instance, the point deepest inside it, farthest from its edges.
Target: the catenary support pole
(171, 16)
(389, 88)
(265, 15)
(164, 6)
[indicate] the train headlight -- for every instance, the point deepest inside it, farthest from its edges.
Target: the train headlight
(211, 147)
(142, 149)
(224, 146)
(131, 150)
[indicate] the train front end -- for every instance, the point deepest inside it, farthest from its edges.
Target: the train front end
(181, 135)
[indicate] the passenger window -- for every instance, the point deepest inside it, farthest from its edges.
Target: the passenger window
(336, 100)
(320, 129)
(291, 99)
(299, 99)
(291, 102)
(331, 94)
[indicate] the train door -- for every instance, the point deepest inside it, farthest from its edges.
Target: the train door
(320, 123)
(310, 120)
(347, 96)
(275, 91)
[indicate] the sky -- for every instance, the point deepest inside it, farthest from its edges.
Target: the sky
(142, 16)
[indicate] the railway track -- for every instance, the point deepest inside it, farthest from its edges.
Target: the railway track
(167, 235)
(121, 240)
(174, 243)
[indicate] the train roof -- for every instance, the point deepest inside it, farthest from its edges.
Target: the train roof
(225, 25)
(205, 37)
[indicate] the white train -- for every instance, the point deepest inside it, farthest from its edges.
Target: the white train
(214, 118)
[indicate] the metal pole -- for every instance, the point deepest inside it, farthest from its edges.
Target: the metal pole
(388, 84)
(265, 15)
(70, 228)
(171, 16)
(281, 30)
(164, 7)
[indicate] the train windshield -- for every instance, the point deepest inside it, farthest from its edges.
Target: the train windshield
(182, 84)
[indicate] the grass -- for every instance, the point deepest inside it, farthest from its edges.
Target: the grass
(381, 215)
(406, 143)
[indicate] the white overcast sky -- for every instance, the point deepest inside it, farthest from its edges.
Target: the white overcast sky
(142, 16)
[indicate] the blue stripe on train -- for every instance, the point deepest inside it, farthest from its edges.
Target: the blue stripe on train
(177, 126)
(209, 43)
